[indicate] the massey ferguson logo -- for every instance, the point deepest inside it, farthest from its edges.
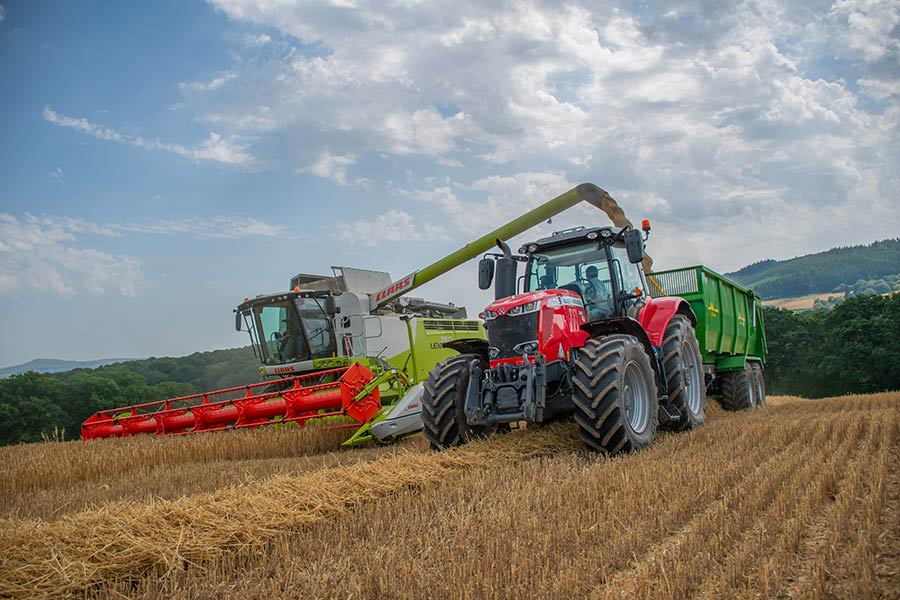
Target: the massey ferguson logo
(394, 288)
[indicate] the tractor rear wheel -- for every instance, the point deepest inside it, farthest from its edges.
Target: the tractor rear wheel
(737, 389)
(443, 404)
(759, 384)
(615, 396)
(683, 366)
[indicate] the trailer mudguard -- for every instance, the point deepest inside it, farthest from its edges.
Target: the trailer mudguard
(657, 313)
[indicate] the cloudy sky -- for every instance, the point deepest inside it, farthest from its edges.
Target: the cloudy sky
(160, 161)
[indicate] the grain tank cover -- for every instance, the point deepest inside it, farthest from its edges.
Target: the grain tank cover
(345, 279)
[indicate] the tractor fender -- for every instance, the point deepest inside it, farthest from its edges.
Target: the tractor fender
(657, 313)
(628, 326)
(469, 346)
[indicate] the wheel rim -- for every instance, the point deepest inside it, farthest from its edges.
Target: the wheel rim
(636, 397)
(758, 389)
(751, 390)
(693, 384)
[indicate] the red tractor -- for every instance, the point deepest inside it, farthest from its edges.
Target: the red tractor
(584, 338)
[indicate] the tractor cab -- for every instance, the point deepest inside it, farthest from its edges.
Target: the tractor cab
(594, 263)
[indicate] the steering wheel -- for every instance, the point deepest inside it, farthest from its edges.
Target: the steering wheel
(590, 292)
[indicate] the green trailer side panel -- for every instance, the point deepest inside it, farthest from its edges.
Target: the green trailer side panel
(729, 316)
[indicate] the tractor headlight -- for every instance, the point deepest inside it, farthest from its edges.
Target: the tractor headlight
(488, 315)
(523, 309)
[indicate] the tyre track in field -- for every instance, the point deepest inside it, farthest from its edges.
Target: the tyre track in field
(739, 571)
(676, 565)
(857, 503)
(712, 474)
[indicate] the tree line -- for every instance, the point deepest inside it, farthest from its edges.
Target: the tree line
(33, 404)
(853, 348)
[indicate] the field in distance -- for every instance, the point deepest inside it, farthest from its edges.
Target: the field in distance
(799, 499)
(800, 302)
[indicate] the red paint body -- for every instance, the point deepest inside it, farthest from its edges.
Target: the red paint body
(657, 313)
(219, 410)
(560, 320)
(559, 327)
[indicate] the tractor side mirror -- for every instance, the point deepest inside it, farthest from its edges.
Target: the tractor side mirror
(485, 273)
(634, 246)
(237, 320)
(329, 304)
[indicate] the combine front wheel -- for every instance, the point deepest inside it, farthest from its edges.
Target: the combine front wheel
(443, 403)
(616, 404)
(684, 374)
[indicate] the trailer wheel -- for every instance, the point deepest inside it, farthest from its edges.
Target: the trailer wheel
(683, 366)
(737, 389)
(443, 402)
(615, 396)
(759, 384)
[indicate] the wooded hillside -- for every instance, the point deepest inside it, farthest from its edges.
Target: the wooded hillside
(822, 272)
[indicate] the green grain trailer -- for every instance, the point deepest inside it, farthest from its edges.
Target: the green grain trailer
(729, 328)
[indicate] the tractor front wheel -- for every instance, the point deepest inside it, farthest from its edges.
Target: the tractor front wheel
(443, 404)
(616, 403)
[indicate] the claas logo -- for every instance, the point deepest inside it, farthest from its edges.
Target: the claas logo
(394, 288)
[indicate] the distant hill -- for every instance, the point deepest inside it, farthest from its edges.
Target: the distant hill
(822, 272)
(55, 365)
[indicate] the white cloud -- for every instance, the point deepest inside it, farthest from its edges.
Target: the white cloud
(207, 86)
(40, 254)
(220, 227)
(228, 151)
(2, 18)
(691, 114)
(331, 166)
(44, 252)
(392, 226)
(56, 174)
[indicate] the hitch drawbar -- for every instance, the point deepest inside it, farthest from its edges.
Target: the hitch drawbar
(298, 399)
(506, 393)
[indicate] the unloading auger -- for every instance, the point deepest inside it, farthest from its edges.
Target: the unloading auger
(352, 344)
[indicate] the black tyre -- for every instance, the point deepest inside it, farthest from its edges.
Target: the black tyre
(683, 364)
(443, 404)
(616, 403)
(759, 384)
(737, 389)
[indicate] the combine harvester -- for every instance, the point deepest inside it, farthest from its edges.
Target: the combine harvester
(347, 345)
(590, 335)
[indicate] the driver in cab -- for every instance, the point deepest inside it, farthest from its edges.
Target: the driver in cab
(597, 295)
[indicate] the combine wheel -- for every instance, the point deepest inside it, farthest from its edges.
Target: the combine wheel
(759, 384)
(737, 389)
(443, 404)
(684, 374)
(616, 404)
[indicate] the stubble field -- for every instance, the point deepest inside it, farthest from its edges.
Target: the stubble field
(797, 500)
